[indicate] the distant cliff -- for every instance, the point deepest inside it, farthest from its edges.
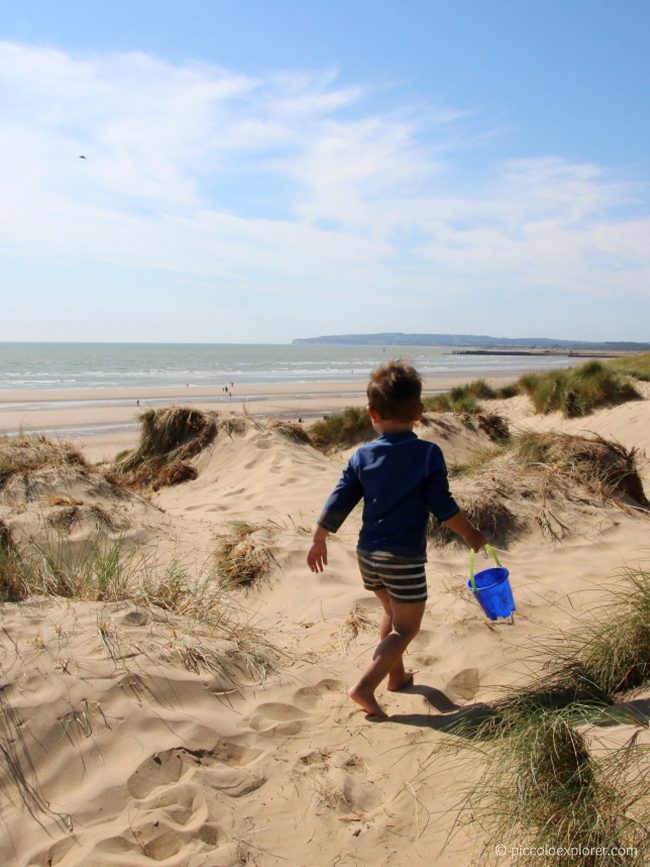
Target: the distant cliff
(397, 338)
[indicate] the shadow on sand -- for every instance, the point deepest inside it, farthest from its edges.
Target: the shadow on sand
(477, 721)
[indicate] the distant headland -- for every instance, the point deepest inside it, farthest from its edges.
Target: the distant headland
(481, 344)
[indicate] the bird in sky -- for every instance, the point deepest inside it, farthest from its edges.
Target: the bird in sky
(82, 157)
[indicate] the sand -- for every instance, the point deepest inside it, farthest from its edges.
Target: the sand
(117, 753)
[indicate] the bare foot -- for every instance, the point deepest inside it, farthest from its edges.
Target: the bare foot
(366, 698)
(400, 681)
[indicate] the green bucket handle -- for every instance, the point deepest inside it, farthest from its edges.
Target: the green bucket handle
(472, 554)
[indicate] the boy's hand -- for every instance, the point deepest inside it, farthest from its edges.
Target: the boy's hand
(317, 556)
(476, 540)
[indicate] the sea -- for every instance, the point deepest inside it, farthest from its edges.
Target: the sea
(40, 366)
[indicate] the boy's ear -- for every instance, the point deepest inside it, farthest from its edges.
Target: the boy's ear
(374, 415)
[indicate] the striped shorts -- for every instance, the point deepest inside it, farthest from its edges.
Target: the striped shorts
(403, 577)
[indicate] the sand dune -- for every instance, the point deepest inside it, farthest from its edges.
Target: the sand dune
(123, 748)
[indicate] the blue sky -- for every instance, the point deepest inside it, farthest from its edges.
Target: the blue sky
(258, 171)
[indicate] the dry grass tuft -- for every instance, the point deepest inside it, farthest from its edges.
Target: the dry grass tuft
(544, 479)
(604, 467)
(487, 512)
(26, 454)
(291, 430)
(356, 622)
(12, 583)
(243, 561)
(330, 793)
(64, 501)
(495, 426)
(169, 438)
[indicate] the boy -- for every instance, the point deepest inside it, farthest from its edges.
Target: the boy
(401, 479)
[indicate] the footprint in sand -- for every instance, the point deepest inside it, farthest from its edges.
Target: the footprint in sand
(309, 696)
(223, 768)
(464, 685)
(137, 617)
(234, 782)
(234, 754)
(161, 769)
(234, 492)
(286, 719)
(160, 840)
(167, 780)
(177, 801)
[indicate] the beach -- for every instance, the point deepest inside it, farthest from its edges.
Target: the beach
(175, 735)
(105, 421)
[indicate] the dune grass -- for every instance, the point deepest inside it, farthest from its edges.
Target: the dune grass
(27, 454)
(612, 651)
(542, 789)
(353, 425)
(12, 582)
(548, 464)
(487, 512)
(462, 404)
(579, 390)
(291, 430)
(636, 366)
(108, 571)
(342, 429)
(605, 467)
(462, 399)
(543, 786)
(169, 438)
(465, 398)
(477, 461)
(495, 426)
(575, 392)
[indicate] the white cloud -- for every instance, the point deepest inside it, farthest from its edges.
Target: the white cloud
(287, 184)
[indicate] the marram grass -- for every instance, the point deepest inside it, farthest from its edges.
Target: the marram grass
(169, 438)
(542, 786)
(342, 429)
(578, 390)
(26, 454)
(108, 571)
(542, 790)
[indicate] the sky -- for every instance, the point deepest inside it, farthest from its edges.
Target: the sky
(260, 170)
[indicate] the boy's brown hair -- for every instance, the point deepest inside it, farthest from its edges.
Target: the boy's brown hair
(395, 391)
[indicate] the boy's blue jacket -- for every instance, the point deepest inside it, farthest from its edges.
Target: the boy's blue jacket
(401, 479)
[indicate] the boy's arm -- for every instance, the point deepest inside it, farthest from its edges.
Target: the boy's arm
(459, 524)
(340, 503)
(442, 504)
(342, 500)
(317, 555)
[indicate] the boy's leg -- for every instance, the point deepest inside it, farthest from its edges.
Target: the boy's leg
(406, 620)
(398, 676)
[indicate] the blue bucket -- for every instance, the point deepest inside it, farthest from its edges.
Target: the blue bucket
(491, 588)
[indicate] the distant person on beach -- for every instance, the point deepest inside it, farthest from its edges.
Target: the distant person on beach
(401, 479)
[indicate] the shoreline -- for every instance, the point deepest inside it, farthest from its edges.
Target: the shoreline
(101, 423)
